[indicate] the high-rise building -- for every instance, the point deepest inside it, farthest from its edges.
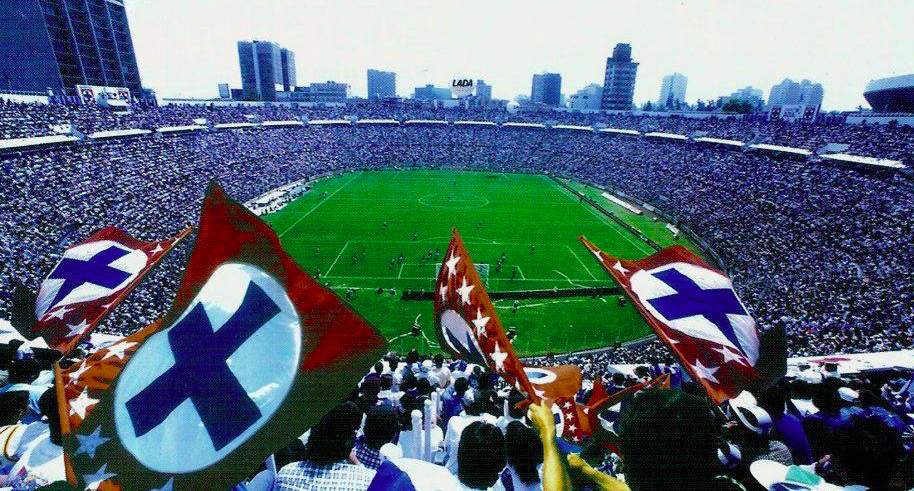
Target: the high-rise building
(431, 93)
(588, 98)
(673, 90)
(287, 59)
(547, 89)
(619, 81)
(266, 68)
(58, 44)
(381, 84)
(483, 91)
(789, 92)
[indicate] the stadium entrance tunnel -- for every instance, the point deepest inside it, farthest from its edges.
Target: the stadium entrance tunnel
(528, 294)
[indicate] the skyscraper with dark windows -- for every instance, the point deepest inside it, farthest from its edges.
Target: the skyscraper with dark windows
(547, 89)
(381, 84)
(619, 79)
(55, 45)
(266, 68)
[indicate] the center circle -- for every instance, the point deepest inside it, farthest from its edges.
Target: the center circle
(451, 201)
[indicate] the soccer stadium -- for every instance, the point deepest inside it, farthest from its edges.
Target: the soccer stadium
(286, 288)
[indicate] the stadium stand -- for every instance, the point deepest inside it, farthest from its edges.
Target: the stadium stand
(821, 250)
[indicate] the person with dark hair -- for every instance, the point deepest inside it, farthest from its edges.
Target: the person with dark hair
(381, 427)
(474, 410)
(36, 449)
(452, 400)
(22, 375)
(524, 453)
(327, 457)
(481, 455)
(787, 427)
(668, 441)
(514, 413)
(867, 452)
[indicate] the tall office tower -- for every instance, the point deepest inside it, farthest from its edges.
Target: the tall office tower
(547, 89)
(58, 44)
(483, 91)
(266, 68)
(381, 84)
(619, 81)
(673, 90)
(288, 69)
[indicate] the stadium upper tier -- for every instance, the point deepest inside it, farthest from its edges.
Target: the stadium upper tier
(891, 95)
(875, 141)
(823, 250)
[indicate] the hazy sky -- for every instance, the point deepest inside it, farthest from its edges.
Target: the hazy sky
(186, 47)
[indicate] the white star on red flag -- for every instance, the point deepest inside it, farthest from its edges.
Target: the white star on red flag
(704, 372)
(452, 264)
(81, 404)
(498, 356)
(77, 329)
(480, 323)
(465, 290)
(618, 267)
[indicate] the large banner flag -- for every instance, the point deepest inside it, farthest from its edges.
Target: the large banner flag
(693, 308)
(90, 280)
(555, 382)
(252, 353)
(466, 322)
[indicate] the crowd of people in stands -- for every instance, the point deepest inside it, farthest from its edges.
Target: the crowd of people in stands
(20, 120)
(849, 431)
(823, 251)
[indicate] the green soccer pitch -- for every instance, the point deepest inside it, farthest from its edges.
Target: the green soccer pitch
(353, 228)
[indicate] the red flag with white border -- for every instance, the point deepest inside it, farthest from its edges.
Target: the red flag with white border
(89, 281)
(695, 311)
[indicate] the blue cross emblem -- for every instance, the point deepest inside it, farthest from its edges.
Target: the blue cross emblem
(200, 372)
(95, 270)
(690, 299)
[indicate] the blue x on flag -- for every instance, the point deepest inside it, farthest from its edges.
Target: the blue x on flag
(198, 389)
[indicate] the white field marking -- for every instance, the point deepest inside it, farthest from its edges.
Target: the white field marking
(319, 204)
(434, 277)
(428, 342)
(579, 260)
(603, 219)
(337, 258)
(524, 306)
(569, 279)
(400, 273)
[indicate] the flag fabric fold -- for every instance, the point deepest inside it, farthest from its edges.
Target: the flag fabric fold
(466, 323)
(89, 281)
(694, 310)
(252, 352)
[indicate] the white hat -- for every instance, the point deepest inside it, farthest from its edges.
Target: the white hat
(752, 418)
(848, 394)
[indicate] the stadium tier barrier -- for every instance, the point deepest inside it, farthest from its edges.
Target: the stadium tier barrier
(612, 216)
(527, 294)
(27, 144)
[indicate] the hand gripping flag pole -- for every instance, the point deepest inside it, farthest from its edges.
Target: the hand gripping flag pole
(252, 353)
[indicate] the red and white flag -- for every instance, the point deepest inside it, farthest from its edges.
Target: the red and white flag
(466, 322)
(694, 310)
(90, 280)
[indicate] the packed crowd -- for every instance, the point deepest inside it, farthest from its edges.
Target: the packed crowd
(822, 250)
(18, 120)
(854, 432)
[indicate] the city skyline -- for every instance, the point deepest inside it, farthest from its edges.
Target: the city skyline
(185, 49)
